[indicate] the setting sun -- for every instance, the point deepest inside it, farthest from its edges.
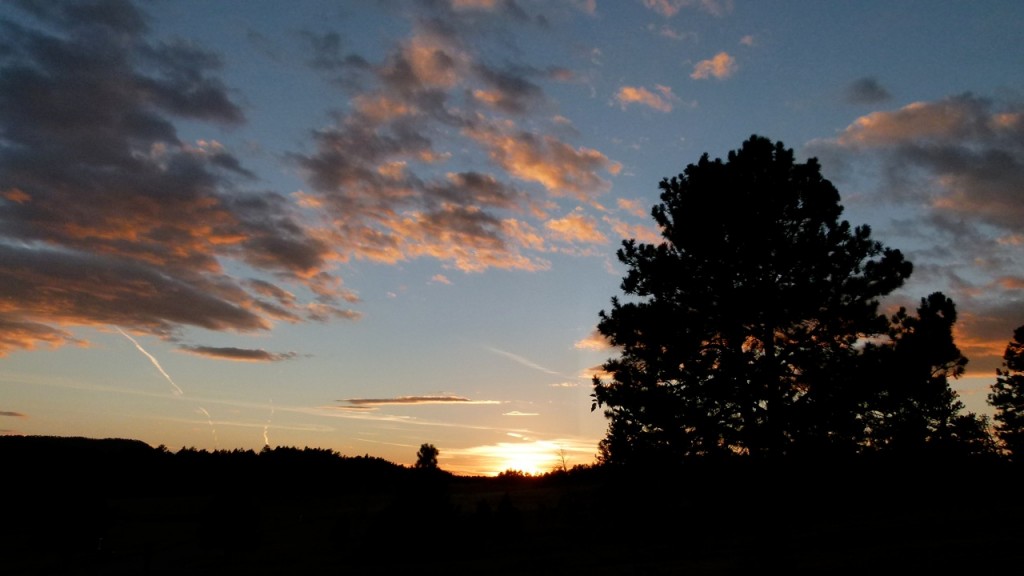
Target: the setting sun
(534, 458)
(537, 457)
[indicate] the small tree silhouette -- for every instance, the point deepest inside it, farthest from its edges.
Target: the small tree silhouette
(426, 457)
(563, 461)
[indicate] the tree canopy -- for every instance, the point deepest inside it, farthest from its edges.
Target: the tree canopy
(1007, 397)
(743, 331)
(910, 406)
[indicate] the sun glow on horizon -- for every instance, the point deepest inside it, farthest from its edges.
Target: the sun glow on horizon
(529, 457)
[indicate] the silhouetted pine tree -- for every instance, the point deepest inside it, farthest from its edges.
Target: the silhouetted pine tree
(735, 327)
(1007, 396)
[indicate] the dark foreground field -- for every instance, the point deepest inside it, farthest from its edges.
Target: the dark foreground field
(74, 506)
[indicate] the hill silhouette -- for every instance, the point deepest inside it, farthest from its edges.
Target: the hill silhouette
(116, 506)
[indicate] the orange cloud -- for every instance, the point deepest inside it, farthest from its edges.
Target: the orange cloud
(560, 168)
(380, 108)
(433, 61)
(633, 207)
(594, 341)
(468, 238)
(26, 335)
(16, 195)
(522, 234)
(491, 97)
(962, 145)
(576, 228)
(598, 371)
(959, 117)
(474, 4)
(661, 102)
(1011, 282)
(721, 66)
(645, 233)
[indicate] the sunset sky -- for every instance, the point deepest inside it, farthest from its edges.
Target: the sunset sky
(365, 226)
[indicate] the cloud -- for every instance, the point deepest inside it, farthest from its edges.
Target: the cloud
(238, 354)
(74, 287)
(378, 170)
(959, 161)
(866, 90)
(564, 385)
(441, 279)
(645, 233)
(524, 234)
(562, 169)
(1011, 282)
(109, 216)
(633, 207)
(669, 8)
(508, 90)
(20, 334)
(474, 4)
(972, 149)
(598, 371)
(518, 413)
(748, 40)
(667, 31)
(721, 66)
(410, 400)
(985, 327)
(586, 6)
(576, 228)
(662, 101)
(10, 414)
(506, 9)
(594, 341)
(468, 237)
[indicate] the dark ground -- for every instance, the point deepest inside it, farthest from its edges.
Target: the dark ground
(74, 506)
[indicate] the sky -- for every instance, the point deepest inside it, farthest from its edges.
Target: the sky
(365, 226)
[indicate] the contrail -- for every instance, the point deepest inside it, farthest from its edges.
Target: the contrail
(524, 361)
(216, 442)
(266, 427)
(177, 390)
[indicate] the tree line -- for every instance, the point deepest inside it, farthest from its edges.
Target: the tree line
(753, 329)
